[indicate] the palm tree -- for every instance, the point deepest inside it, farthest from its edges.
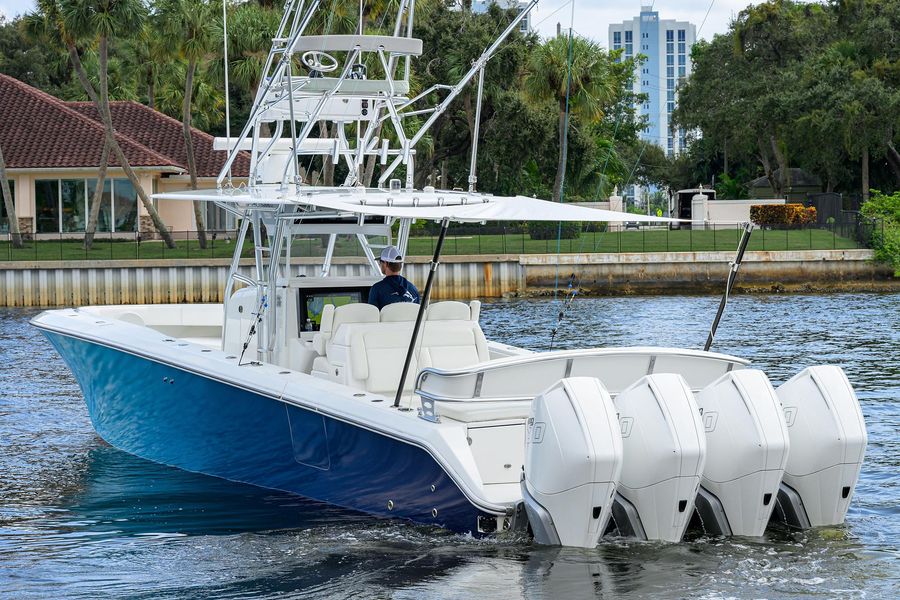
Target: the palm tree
(75, 23)
(192, 27)
(574, 74)
(15, 236)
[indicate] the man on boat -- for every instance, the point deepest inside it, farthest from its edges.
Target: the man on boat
(394, 287)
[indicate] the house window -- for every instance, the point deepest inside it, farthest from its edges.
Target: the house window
(104, 218)
(46, 205)
(73, 205)
(4, 218)
(124, 205)
(63, 205)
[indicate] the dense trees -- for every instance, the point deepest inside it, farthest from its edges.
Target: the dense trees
(167, 54)
(810, 85)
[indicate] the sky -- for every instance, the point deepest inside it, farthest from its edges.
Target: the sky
(592, 17)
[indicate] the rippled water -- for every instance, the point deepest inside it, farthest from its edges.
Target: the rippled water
(81, 519)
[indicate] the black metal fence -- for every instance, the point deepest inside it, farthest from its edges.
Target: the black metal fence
(855, 232)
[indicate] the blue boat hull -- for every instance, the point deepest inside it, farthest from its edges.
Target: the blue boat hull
(210, 427)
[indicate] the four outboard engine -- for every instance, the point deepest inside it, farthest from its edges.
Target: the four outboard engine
(828, 441)
(735, 452)
(665, 451)
(573, 459)
(747, 450)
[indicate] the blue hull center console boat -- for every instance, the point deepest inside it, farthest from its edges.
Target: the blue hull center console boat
(296, 383)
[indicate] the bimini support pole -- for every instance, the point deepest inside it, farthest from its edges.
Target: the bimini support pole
(423, 304)
(732, 275)
(473, 166)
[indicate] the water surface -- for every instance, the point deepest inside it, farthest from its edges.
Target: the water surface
(81, 519)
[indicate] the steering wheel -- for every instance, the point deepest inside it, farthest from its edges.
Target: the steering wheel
(322, 62)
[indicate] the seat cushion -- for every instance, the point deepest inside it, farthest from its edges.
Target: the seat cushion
(475, 411)
(448, 310)
(399, 311)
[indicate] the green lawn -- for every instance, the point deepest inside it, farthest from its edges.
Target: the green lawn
(637, 241)
(655, 240)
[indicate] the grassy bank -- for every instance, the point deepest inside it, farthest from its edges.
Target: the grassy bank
(648, 240)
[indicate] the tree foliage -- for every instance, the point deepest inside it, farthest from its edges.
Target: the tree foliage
(809, 85)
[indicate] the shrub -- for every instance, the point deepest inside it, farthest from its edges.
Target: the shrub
(549, 230)
(886, 241)
(782, 214)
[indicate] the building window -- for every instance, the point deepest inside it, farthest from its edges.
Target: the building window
(73, 205)
(670, 95)
(628, 39)
(680, 47)
(4, 218)
(681, 59)
(670, 60)
(681, 71)
(63, 205)
(670, 107)
(670, 83)
(670, 72)
(104, 219)
(670, 48)
(681, 35)
(46, 205)
(670, 35)
(124, 205)
(617, 38)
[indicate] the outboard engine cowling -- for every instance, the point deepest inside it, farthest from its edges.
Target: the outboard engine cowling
(828, 441)
(664, 453)
(573, 458)
(746, 452)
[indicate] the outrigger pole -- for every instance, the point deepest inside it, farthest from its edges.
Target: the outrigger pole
(732, 275)
(423, 304)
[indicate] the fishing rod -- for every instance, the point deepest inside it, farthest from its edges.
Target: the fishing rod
(263, 305)
(732, 275)
(571, 292)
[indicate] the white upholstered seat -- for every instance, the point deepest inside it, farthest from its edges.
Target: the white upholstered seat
(449, 310)
(399, 311)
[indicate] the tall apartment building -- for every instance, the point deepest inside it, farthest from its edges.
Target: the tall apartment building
(666, 44)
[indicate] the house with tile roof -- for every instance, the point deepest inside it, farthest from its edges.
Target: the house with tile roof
(53, 148)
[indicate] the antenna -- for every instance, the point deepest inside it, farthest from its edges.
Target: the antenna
(225, 59)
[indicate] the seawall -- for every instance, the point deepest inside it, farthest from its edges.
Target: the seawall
(75, 283)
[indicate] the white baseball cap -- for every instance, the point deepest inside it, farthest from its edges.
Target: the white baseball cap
(391, 255)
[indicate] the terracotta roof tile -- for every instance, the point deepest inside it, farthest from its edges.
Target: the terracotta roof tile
(163, 133)
(38, 130)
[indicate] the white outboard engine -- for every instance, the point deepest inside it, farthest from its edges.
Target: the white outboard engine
(828, 441)
(665, 450)
(573, 458)
(747, 450)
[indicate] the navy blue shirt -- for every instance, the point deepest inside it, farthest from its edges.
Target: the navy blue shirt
(393, 288)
